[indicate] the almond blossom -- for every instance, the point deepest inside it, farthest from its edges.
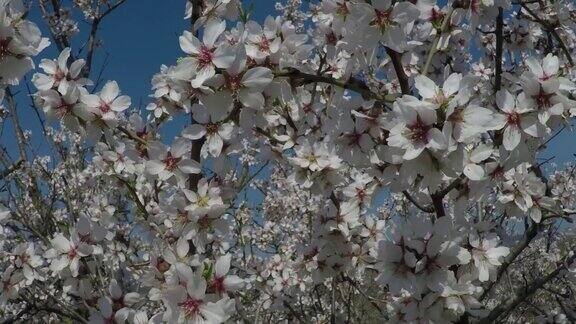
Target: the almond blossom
(206, 56)
(336, 161)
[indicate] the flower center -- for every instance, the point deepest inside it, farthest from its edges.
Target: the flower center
(217, 285)
(264, 45)
(59, 76)
(205, 56)
(4, 47)
(354, 138)
(331, 38)
(64, 109)
(342, 9)
(191, 306)
(204, 222)
(104, 107)
(543, 99)
(382, 19)
(513, 118)
(211, 128)
(311, 158)
(171, 162)
(72, 253)
(203, 201)
(233, 82)
(419, 131)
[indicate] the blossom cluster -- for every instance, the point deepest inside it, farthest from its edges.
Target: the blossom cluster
(343, 152)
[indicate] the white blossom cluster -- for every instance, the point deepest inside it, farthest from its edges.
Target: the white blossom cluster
(345, 161)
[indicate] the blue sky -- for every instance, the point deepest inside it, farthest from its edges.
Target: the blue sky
(138, 38)
(142, 35)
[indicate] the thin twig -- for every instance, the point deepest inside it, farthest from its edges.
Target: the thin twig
(352, 84)
(526, 291)
(499, 49)
(550, 29)
(434, 46)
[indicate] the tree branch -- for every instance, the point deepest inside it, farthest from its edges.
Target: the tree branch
(499, 49)
(352, 84)
(552, 30)
(396, 59)
(434, 46)
(193, 179)
(529, 235)
(92, 38)
(526, 291)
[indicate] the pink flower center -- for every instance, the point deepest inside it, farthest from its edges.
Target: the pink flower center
(64, 109)
(85, 237)
(474, 6)
(264, 45)
(104, 107)
(543, 99)
(354, 138)
(205, 56)
(513, 118)
(217, 285)
(171, 162)
(545, 77)
(59, 76)
(191, 306)
(382, 18)
(72, 253)
(204, 222)
(342, 9)
(361, 194)
(331, 38)
(419, 131)
(233, 82)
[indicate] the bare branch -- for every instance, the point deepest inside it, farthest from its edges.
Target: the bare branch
(352, 84)
(528, 290)
(546, 25)
(499, 49)
(396, 59)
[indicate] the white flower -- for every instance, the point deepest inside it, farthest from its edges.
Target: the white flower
(189, 305)
(206, 56)
(545, 71)
(210, 125)
(27, 260)
(58, 76)
(246, 85)
(19, 40)
(171, 162)
(393, 20)
(205, 200)
(107, 101)
(315, 157)
(440, 97)
(262, 42)
(67, 253)
(222, 283)
(514, 120)
(65, 107)
(414, 131)
(486, 254)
